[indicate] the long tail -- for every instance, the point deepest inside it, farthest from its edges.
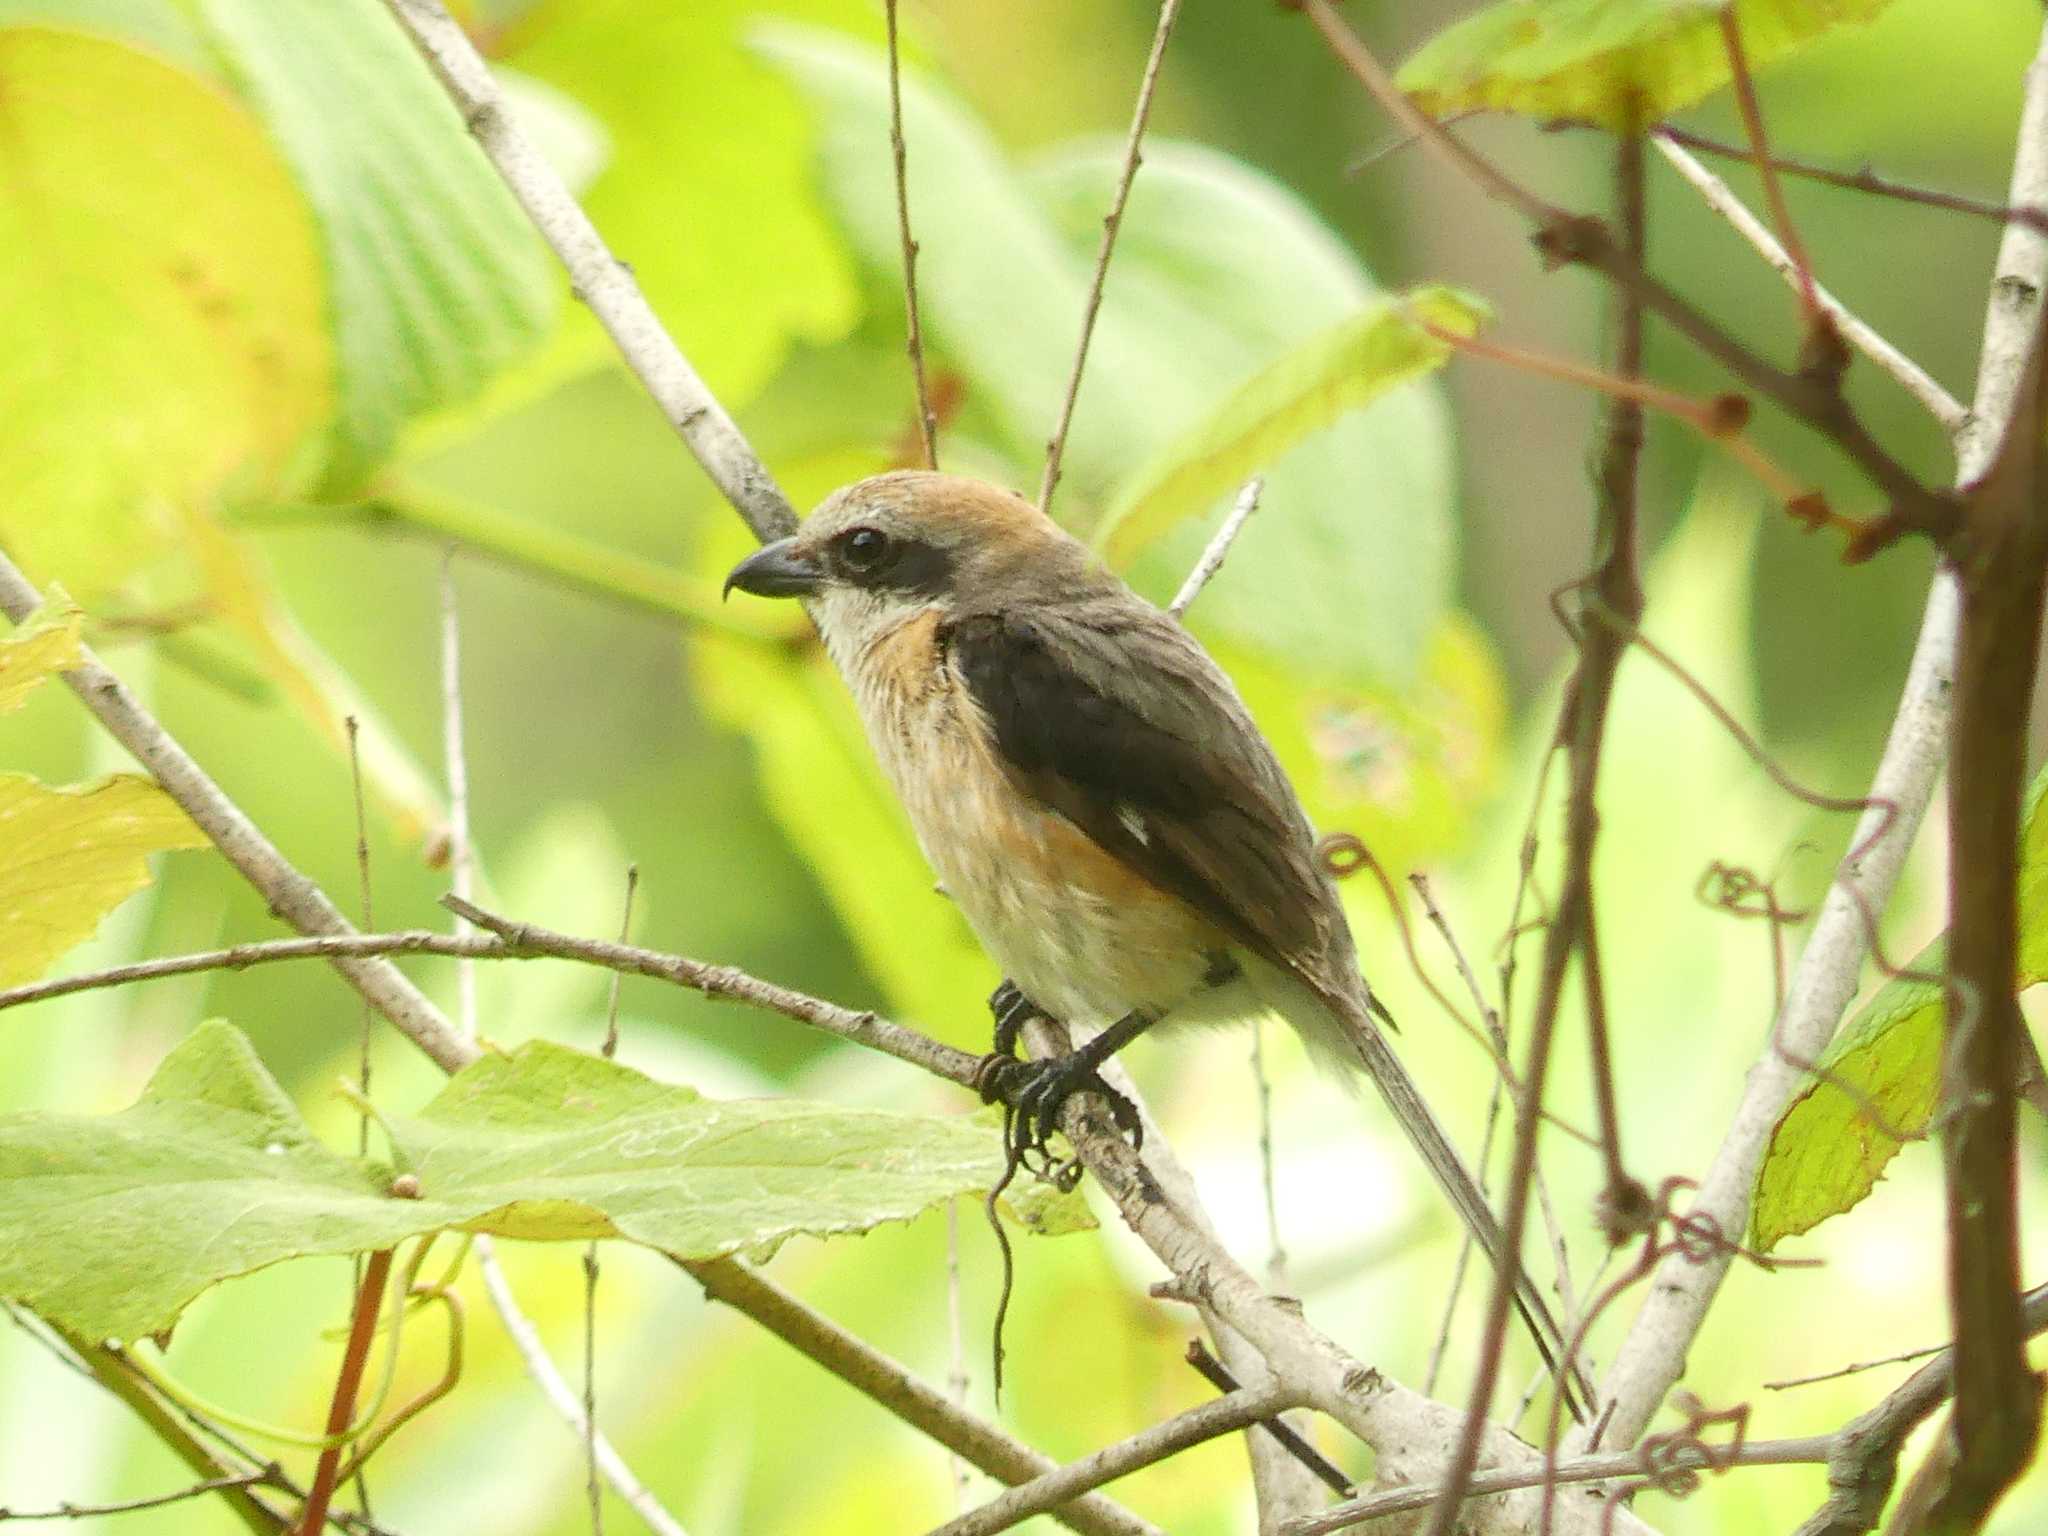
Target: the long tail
(1340, 1029)
(1462, 1190)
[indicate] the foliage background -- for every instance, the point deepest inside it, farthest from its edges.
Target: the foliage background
(381, 351)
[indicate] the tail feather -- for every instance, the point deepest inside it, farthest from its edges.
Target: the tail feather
(1340, 1031)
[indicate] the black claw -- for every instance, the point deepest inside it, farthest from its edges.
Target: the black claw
(1034, 1093)
(1012, 1010)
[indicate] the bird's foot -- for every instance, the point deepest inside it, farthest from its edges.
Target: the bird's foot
(1033, 1094)
(1012, 1011)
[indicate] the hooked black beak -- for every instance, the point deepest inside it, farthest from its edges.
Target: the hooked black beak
(776, 570)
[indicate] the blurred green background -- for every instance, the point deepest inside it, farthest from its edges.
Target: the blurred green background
(275, 337)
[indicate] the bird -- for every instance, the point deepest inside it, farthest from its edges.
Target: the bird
(1094, 796)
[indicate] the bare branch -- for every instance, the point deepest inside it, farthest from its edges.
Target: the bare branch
(1218, 1417)
(1760, 157)
(1057, 445)
(1218, 547)
(291, 895)
(604, 283)
(1826, 977)
(1915, 380)
(890, 1384)
(1407, 1430)
(1584, 1469)
(1863, 1461)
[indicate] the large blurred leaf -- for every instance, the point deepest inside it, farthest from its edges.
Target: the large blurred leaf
(162, 335)
(1828, 1151)
(215, 1166)
(68, 857)
(435, 278)
(1218, 272)
(1619, 63)
(47, 642)
(706, 187)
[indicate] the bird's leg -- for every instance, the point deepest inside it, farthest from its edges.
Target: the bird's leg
(1012, 1010)
(1036, 1091)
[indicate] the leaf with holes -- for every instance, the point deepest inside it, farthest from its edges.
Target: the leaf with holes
(68, 857)
(47, 642)
(1620, 63)
(213, 1173)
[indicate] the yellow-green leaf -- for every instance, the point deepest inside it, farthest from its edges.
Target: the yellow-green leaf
(163, 332)
(1305, 389)
(1828, 1151)
(1620, 63)
(68, 857)
(46, 643)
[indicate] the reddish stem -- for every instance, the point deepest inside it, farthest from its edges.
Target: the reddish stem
(341, 1413)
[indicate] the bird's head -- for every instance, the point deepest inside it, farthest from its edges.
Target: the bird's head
(885, 549)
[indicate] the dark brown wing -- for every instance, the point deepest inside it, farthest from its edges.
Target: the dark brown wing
(1110, 714)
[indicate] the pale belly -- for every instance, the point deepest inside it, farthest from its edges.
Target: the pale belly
(1081, 935)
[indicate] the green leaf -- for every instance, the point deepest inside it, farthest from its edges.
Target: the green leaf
(1299, 393)
(46, 642)
(68, 857)
(163, 335)
(1620, 63)
(216, 1165)
(435, 278)
(1827, 1152)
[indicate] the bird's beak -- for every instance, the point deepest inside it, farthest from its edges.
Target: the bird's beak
(777, 570)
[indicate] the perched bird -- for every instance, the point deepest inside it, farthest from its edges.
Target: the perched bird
(1092, 793)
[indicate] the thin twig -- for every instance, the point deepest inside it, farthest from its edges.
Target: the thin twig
(1829, 969)
(366, 911)
(1219, 1416)
(1863, 180)
(533, 1354)
(461, 861)
(1950, 412)
(1057, 444)
(69, 1511)
(1218, 547)
(604, 283)
(1760, 157)
(1864, 1459)
(890, 1384)
(927, 422)
(593, 1487)
(540, 1365)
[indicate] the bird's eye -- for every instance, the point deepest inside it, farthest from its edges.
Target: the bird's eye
(863, 548)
